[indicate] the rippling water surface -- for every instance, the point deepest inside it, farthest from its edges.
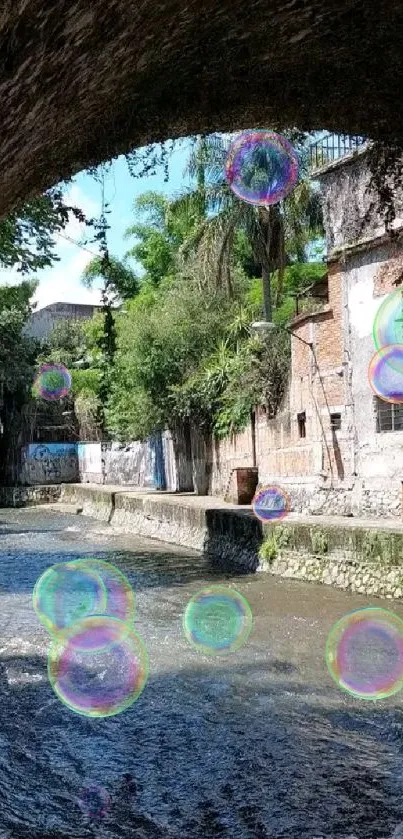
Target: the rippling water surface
(257, 744)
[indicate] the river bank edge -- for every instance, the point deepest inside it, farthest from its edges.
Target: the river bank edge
(361, 555)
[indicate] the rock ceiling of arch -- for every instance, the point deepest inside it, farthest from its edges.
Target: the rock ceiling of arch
(84, 80)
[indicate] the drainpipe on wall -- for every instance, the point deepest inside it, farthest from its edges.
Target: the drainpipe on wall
(253, 434)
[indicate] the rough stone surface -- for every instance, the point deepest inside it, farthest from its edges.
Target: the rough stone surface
(28, 496)
(363, 557)
(82, 82)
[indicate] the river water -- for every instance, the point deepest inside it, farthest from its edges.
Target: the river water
(260, 743)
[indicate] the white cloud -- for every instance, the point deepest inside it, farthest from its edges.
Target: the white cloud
(76, 197)
(62, 282)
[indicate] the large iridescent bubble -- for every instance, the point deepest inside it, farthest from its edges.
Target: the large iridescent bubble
(217, 620)
(52, 383)
(98, 667)
(364, 653)
(385, 373)
(388, 322)
(66, 592)
(270, 503)
(261, 167)
(120, 602)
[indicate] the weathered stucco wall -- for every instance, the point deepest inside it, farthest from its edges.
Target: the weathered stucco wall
(378, 455)
(81, 82)
(131, 463)
(49, 463)
(346, 201)
(96, 463)
(90, 463)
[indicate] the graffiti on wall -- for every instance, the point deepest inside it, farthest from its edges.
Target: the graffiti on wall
(49, 463)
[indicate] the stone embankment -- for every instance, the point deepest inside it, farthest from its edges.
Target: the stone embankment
(361, 555)
(29, 496)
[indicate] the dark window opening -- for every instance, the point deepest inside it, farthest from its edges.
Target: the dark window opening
(389, 417)
(335, 422)
(302, 424)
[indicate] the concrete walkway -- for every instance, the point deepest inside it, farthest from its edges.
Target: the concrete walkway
(202, 502)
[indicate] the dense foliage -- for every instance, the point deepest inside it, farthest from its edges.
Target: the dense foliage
(185, 350)
(173, 343)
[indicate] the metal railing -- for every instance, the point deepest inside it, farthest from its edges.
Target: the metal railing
(332, 147)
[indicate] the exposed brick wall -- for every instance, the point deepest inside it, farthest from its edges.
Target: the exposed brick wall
(316, 387)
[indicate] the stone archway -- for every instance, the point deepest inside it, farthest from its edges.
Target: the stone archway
(81, 82)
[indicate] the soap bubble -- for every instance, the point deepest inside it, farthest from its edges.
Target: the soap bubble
(261, 167)
(364, 653)
(65, 593)
(388, 322)
(217, 620)
(385, 373)
(98, 666)
(119, 593)
(94, 801)
(270, 503)
(52, 383)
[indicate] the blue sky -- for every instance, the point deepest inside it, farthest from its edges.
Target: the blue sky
(62, 282)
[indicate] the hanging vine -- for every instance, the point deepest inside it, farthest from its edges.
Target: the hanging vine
(107, 339)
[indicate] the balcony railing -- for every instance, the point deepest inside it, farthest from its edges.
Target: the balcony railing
(332, 147)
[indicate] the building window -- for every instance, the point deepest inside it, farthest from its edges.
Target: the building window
(389, 417)
(335, 422)
(302, 424)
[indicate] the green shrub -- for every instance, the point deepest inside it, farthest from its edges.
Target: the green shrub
(268, 549)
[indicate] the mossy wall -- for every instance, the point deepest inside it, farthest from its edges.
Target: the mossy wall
(363, 559)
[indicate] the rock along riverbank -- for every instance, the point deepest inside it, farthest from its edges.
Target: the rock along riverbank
(360, 555)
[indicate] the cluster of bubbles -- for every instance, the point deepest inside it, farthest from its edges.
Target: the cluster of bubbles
(385, 372)
(364, 653)
(97, 663)
(270, 503)
(52, 382)
(261, 167)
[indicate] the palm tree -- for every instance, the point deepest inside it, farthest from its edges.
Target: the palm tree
(277, 234)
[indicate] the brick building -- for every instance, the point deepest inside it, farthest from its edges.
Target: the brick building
(333, 445)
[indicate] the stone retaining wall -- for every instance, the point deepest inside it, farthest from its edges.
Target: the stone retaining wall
(365, 558)
(361, 559)
(29, 496)
(97, 502)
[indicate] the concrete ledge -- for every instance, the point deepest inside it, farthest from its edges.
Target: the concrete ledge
(359, 554)
(96, 501)
(29, 496)
(364, 559)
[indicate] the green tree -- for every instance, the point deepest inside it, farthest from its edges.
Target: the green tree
(17, 360)
(276, 235)
(65, 344)
(27, 235)
(117, 274)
